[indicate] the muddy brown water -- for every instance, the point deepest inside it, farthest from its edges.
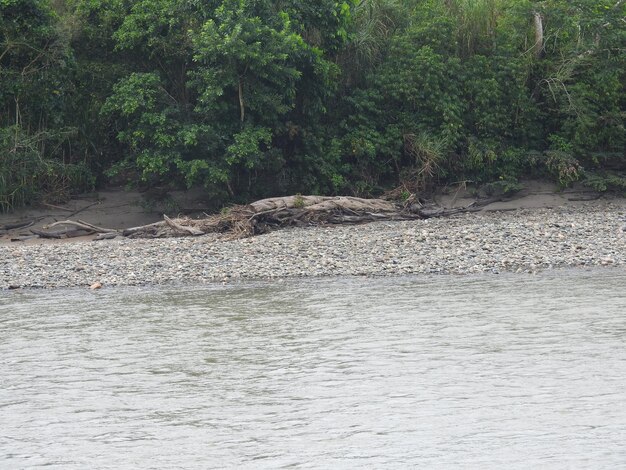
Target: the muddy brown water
(430, 372)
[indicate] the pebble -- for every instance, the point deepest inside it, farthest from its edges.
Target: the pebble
(522, 241)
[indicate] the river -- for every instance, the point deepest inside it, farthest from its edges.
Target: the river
(434, 372)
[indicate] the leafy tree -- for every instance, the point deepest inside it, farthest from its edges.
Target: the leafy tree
(248, 82)
(35, 135)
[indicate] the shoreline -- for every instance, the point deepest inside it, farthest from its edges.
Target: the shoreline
(588, 235)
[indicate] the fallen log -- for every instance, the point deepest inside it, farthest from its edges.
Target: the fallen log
(43, 234)
(78, 233)
(154, 230)
(70, 233)
(22, 238)
(132, 230)
(107, 236)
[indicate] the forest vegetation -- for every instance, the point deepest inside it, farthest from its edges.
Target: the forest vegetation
(257, 98)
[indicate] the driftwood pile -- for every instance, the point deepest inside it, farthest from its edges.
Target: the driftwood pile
(271, 214)
(266, 215)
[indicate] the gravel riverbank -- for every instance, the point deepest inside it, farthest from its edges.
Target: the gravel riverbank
(525, 240)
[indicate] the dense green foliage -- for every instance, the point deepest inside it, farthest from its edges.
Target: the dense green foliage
(251, 98)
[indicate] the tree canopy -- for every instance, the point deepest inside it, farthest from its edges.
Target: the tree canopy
(255, 98)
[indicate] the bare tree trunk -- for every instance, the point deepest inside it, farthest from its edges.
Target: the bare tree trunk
(242, 109)
(17, 123)
(538, 19)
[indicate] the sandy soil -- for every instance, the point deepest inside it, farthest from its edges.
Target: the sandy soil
(118, 208)
(112, 208)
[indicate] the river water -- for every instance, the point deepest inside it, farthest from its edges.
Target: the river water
(430, 372)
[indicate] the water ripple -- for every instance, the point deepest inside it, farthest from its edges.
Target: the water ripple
(476, 372)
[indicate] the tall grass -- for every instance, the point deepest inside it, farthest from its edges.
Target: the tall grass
(27, 177)
(477, 21)
(427, 153)
(374, 23)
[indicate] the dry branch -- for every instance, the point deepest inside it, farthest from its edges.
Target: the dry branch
(181, 228)
(83, 208)
(52, 206)
(24, 224)
(82, 224)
